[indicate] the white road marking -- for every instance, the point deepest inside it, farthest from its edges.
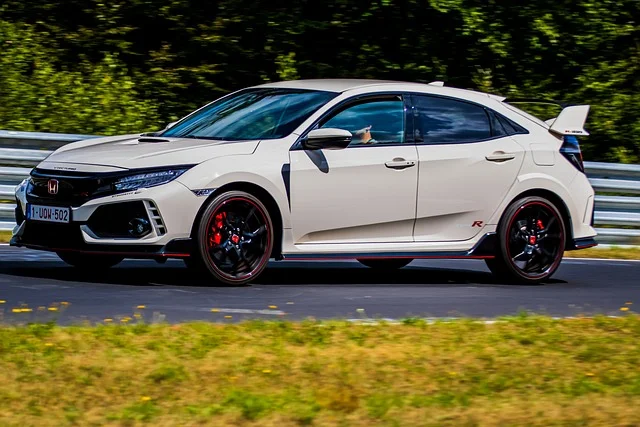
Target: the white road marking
(216, 310)
(249, 311)
(40, 287)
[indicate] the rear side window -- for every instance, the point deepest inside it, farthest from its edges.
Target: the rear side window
(511, 127)
(497, 128)
(448, 121)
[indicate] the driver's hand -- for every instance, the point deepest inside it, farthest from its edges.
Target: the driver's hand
(364, 134)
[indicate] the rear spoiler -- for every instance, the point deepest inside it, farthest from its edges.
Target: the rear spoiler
(570, 121)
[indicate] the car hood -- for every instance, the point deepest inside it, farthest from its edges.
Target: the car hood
(137, 151)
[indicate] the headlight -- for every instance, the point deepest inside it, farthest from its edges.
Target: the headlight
(22, 186)
(147, 179)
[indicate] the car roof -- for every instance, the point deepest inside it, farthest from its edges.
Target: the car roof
(343, 85)
(330, 85)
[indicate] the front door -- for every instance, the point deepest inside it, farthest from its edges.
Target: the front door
(365, 193)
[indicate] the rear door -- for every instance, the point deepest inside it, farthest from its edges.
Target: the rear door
(467, 164)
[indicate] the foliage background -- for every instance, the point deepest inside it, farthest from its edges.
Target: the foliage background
(118, 66)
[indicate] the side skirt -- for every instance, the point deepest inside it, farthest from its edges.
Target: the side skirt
(584, 243)
(484, 249)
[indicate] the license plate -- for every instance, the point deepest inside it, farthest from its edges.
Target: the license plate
(48, 213)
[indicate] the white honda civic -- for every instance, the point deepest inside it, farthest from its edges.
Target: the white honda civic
(382, 172)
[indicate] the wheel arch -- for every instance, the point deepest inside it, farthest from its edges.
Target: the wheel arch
(263, 195)
(557, 201)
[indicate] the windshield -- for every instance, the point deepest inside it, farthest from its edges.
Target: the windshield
(268, 113)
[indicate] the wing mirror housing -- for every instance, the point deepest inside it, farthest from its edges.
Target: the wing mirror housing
(170, 125)
(328, 138)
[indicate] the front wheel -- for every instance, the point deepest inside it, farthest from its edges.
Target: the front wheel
(385, 263)
(235, 238)
(89, 261)
(532, 240)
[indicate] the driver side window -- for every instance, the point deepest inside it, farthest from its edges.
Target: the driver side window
(379, 121)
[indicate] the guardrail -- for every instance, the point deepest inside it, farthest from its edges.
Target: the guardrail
(617, 186)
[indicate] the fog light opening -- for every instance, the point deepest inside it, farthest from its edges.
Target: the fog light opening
(139, 227)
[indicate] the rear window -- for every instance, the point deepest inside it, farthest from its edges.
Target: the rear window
(526, 115)
(448, 121)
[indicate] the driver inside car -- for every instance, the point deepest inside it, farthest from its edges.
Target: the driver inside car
(363, 136)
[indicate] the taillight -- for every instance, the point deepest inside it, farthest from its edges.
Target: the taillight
(571, 151)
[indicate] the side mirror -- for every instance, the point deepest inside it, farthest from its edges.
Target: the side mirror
(170, 125)
(328, 138)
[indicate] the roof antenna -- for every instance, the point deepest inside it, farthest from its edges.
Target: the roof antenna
(437, 83)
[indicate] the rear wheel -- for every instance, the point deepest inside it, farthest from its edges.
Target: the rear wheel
(385, 263)
(89, 261)
(235, 238)
(532, 240)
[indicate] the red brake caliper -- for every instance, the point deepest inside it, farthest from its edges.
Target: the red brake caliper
(215, 237)
(533, 239)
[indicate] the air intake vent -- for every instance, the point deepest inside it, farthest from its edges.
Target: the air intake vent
(156, 218)
(147, 139)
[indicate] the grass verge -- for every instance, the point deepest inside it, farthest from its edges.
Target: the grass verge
(5, 236)
(521, 371)
(611, 252)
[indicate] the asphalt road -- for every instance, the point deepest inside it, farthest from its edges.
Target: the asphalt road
(295, 290)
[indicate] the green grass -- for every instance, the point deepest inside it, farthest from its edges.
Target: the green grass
(5, 236)
(529, 371)
(611, 252)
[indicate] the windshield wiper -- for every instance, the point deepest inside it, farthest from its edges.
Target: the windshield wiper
(213, 138)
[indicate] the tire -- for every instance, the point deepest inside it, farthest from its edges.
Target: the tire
(89, 262)
(196, 266)
(385, 263)
(532, 238)
(234, 238)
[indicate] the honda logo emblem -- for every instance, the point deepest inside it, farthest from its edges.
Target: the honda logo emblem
(53, 186)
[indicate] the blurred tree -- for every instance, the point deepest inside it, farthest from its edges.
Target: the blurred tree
(38, 95)
(172, 56)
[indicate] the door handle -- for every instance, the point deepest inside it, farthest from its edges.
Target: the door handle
(500, 156)
(399, 163)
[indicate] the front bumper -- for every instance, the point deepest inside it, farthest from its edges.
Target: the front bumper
(177, 248)
(101, 225)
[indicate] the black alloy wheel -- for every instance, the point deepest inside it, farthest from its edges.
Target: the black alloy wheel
(532, 241)
(385, 263)
(89, 261)
(235, 238)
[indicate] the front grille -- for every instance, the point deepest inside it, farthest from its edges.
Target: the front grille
(52, 235)
(72, 189)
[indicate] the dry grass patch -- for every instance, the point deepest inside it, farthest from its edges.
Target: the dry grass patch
(5, 236)
(612, 252)
(523, 371)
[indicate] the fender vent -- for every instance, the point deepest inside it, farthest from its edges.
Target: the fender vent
(156, 218)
